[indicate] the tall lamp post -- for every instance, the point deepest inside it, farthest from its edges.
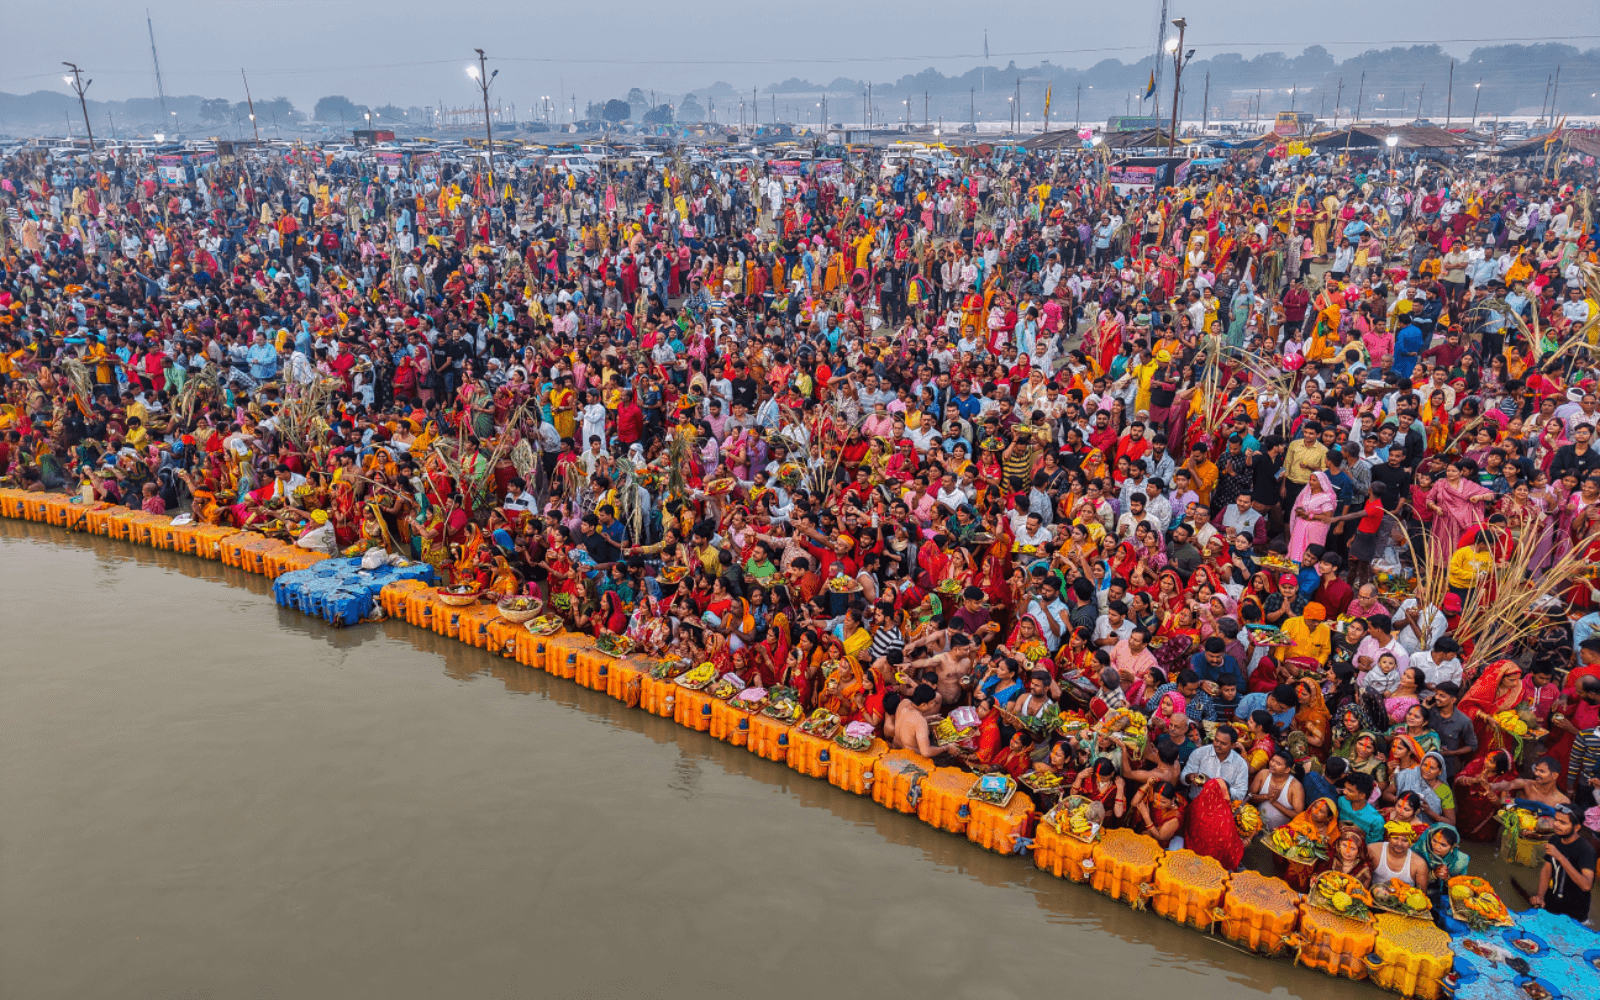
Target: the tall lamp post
(1392, 141)
(481, 74)
(1180, 59)
(76, 82)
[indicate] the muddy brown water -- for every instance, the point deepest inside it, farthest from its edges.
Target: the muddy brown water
(206, 795)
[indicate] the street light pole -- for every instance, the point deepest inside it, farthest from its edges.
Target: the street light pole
(76, 80)
(1477, 92)
(481, 74)
(1177, 76)
(251, 101)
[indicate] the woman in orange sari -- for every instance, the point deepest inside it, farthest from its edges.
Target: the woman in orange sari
(1319, 823)
(1312, 717)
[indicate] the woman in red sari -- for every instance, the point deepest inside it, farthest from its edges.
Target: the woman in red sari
(1169, 597)
(1209, 829)
(1477, 804)
(1498, 689)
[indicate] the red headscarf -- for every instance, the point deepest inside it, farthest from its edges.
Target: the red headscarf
(1210, 830)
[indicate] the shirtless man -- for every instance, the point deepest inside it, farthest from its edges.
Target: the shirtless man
(1035, 698)
(1543, 788)
(1394, 858)
(949, 668)
(911, 723)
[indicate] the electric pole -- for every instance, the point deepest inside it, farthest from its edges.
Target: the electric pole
(481, 74)
(1450, 94)
(1205, 112)
(1178, 60)
(76, 79)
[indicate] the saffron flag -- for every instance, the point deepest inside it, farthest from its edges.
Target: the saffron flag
(1047, 90)
(1150, 91)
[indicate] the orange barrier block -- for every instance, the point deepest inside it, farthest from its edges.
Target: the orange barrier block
(1061, 854)
(625, 682)
(563, 653)
(693, 709)
(810, 755)
(392, 598)
(419, 607)
(1124, 862)
(1259, 912)
(593, 667)
(1000, 830)
(944, 802)
(473, 626)
(1410, 957)
(1337, 945)
(11, 502)
(658, 696)
(896, 777)
(503, 636)
(529, 649)
(852, 769)
(769, 737)
(97, 519)
(729, 723)
(36, 506)
(209, 540)
(1188, 888)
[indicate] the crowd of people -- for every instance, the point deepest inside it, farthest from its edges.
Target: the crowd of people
(1260, 457)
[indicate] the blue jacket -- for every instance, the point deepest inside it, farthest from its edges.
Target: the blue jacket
(1409, 344)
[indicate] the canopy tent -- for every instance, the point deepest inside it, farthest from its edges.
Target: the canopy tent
(1410, 137)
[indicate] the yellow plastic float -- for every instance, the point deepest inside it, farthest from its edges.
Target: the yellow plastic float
(944, 802)
(998, 828)
(1188, 888)
(1061, 854)
(693, 709)
(808, 754)
(1259, 912)
(1410, 956)
(769, 737)
(1337, 945)
(658, 696)
(1124, 862)
(852, 770)
(625, 682)
(896, 777)
(729, 723)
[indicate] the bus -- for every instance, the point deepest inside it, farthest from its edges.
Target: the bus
(1294, 123)
(1132, 123)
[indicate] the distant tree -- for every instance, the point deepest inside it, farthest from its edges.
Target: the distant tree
(690, 110)
(217, 109)
(391, 113)
(617, 111)
(278, 108)
(330, 109)
(661, 114)
(636, 96)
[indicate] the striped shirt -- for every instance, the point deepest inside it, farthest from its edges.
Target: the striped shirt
(886, 639)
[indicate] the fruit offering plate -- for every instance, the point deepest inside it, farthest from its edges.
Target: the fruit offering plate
(1474, 902)
(1395, 896)
(1341, 894)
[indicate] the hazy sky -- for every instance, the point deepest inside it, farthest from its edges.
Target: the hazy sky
(415, 53)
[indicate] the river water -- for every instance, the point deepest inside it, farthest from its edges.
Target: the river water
(208, 796)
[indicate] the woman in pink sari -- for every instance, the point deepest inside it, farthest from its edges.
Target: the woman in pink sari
(1457, 504)
(1308, 524)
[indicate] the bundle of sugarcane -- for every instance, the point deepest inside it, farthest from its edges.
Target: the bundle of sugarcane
(1504, 609)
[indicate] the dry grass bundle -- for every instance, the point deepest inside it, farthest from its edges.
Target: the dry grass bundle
(1502, 612)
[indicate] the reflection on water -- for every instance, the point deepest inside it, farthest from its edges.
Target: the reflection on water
(230, 798)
